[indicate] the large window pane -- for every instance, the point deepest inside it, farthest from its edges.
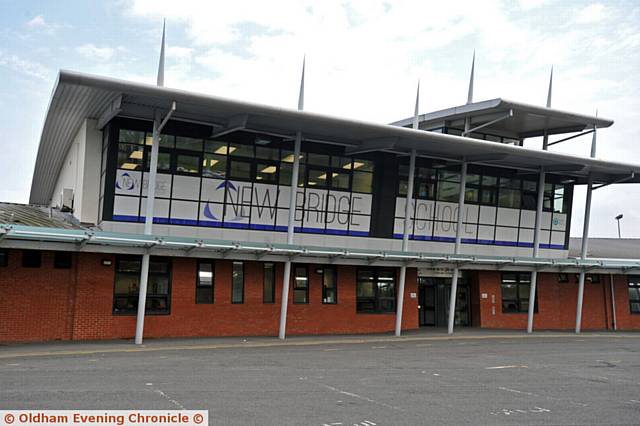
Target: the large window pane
(514, 290)
(317, 178)
(131, 136)
(240, 169)
(190, 144)
(188, 164)
(241, 150)
(448, 191)
(164, 161)
(267, 172)
(375, 290)
(214, 166)
(127, 281)
(130, 156)
(362, 182)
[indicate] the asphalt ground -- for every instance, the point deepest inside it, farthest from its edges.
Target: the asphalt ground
(559, 379)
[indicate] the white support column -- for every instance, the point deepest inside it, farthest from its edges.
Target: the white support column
(151, 196)
(456, 250)
(539, 206)
(284, 304)
(583, 254)
(536, 251)
(148, 228)
(405, 241)
(585, 236)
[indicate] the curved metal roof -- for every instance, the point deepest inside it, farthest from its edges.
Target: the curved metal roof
(526, 121)
(77, 96)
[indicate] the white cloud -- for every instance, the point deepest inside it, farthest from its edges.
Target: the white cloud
(364, 57)
(93, 52)
(37, 21)
(591, 14)
(25, 66)
(40, 24)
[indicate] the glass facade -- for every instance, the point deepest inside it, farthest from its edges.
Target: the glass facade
(246, 184)
(242, 181)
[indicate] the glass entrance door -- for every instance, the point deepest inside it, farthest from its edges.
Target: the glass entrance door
(433, 299)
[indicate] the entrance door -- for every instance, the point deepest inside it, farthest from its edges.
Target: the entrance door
(433, 299)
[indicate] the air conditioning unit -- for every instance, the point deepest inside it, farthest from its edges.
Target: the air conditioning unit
(66, 200)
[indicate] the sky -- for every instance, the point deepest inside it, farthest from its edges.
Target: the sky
(364, 58)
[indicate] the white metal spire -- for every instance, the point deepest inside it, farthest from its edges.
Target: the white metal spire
(416, 111)
(301, 95)
(550, 88)
(473, 66)
(161, 62)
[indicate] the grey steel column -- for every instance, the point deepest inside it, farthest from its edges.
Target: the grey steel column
(583, 254)
(539, 206)
(292, 215)
(536, 251)
(585, 236)
(148, 228)
(456, 250)
(613, 303)
(405, 240)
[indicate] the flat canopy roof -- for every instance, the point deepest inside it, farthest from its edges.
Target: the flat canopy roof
(78, 96)
(526, 120)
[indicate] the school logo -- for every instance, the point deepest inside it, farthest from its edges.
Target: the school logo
(125, 182)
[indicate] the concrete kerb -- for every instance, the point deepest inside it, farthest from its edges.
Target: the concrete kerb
(93, 348)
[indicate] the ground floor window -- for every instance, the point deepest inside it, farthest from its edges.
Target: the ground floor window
(205, 282)
(62, 260)
(376, 290)
(515, 292)
(237, 283)
(300, 285)
(329, 286)
(634, 294)
(269, 283)
(127, 283)
(31, 258)
(4, 257)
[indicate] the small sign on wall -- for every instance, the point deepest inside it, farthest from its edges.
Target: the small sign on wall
(412, 295)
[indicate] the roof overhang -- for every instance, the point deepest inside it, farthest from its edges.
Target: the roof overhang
(79, 96)
(84, 240)
(526, 120)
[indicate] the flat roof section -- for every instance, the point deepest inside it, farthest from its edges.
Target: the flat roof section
(526, 120)
(78, 96)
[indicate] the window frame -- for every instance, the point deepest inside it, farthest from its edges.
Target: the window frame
(37, 259)
(233, 283)
(375, 271)
(633, 282)
(62, 263)
(518, 300)
(169, 274)
(295, 282)
(333, 271)
(272, 293)
(213, 281)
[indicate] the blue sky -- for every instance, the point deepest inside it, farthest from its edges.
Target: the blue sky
(364, 58)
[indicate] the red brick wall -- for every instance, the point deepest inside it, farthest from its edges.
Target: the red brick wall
(34, 302)
(625, 319)
(47, 304)
(556, 304)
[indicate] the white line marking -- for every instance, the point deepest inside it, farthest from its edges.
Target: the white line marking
(168, 398)
(499, 367)
(379, 347)
(353, 395)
